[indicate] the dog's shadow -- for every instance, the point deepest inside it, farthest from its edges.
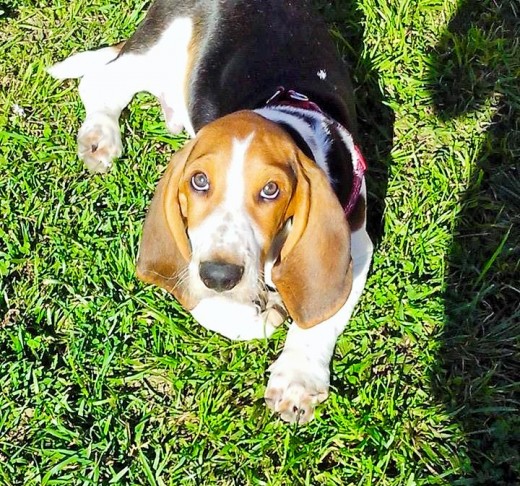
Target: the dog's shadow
(478, 375)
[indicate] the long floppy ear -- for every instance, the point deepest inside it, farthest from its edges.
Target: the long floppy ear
(165, 251)
(314, 271)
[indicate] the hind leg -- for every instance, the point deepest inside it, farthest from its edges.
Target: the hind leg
(105, 91)
(108, 86)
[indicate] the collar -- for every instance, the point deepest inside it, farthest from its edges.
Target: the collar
(292, 99)
(289, 97)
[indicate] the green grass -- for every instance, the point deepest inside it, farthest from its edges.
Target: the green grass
(106, 381)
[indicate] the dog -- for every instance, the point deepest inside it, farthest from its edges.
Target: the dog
(262, 214)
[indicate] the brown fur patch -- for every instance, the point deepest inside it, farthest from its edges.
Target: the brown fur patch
(211, 156)
(270, 159)
(193, 54)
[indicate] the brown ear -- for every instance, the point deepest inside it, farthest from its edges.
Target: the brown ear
(314, 270)
(165, 251)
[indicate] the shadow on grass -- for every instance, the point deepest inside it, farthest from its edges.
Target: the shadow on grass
(8, 10)
(478, 378)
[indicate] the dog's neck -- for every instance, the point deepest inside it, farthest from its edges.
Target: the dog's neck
(309, 129)
(327, 142)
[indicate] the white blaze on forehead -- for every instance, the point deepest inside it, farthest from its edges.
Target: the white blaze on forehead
(229, 230)
(235, 181)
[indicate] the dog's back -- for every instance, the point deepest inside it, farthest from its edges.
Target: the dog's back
(246, 49)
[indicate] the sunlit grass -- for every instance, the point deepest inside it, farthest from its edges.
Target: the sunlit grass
(106, 381)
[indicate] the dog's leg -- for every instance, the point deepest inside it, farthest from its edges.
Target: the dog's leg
(300, 376)
(109, 82)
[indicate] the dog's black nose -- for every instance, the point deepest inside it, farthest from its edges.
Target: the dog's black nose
(220, 276)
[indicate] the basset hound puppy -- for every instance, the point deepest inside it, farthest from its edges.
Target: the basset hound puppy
(261, 216)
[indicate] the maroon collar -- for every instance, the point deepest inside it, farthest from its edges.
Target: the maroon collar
(291, 98)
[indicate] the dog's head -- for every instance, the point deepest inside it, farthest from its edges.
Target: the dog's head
(241, 204)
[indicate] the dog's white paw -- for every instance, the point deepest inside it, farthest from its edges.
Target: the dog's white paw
(296, 385)
(274, 313)
(274, 316)
(99, 142)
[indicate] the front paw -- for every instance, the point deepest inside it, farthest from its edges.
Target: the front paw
(296, 385)
(272, 310)
(99, 142)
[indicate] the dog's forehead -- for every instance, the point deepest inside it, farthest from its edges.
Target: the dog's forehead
(268, 141)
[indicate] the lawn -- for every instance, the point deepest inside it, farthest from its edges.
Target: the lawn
(104, 380)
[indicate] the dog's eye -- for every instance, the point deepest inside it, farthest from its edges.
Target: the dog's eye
(200, 182)
(270, 191)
